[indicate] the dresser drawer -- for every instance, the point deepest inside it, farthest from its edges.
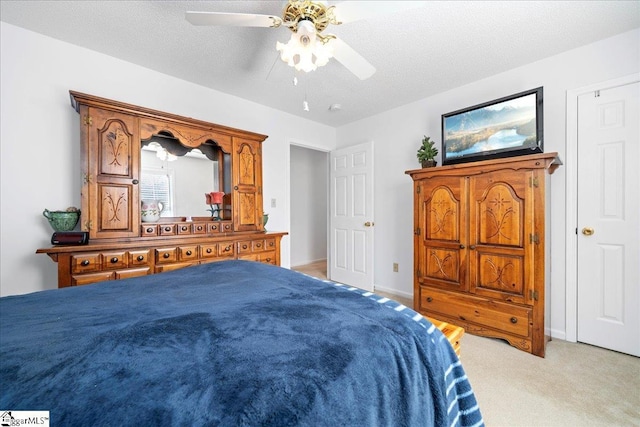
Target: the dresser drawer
(86, 263)
(166, 255)
(199, 228)
(509, 318)
(167, 229)
(171, 267)
(209, 250)
(244, 247)
(184, 228)
(226, 249)
(114, 260)
(188, 253)
(86, 279)
(139, 258)
(132, 272)
(149, 230)
(213, 227)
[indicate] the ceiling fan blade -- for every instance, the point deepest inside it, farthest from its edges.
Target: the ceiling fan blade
(352, 60)
(233, 19)
(350, 11)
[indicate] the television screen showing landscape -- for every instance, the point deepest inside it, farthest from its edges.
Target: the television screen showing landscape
(502, 126)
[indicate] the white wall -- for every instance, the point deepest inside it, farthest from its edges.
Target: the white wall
(40, 143)
(397, 135)
(309, 197)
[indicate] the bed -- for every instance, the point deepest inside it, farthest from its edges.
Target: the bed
(232, 343)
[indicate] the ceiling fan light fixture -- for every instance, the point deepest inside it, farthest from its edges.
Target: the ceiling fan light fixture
(304, 50)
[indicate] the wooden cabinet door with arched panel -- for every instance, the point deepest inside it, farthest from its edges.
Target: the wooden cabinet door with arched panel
(247, 190)
(442, 235)
(111, 146)
(502, 235)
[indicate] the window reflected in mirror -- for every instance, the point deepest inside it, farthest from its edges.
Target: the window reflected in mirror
(180, 176)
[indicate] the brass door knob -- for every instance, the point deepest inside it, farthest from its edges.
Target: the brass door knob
(368, 224)
(588, 231)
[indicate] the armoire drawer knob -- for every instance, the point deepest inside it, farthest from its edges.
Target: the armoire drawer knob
(114, 260)
(149, 230)
(208, 250)
(85, 262)
(514, 320)
(429, 299)
(167, 229)
(140, 258)
(461, 246)
(184, 228)
(166, 255)
(189, 253)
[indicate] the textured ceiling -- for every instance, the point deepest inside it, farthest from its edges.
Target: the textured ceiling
(428, 49)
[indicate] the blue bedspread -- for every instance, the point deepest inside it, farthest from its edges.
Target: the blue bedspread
(234, 343)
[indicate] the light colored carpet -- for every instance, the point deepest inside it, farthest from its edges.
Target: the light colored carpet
(574, 385)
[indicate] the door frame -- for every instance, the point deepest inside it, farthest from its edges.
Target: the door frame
(309, 146)
(571, 167)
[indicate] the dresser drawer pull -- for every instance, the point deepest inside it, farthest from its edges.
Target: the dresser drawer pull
(244, 246)
(189, 253)
(184, 228)
(259, 245)
(268, 259)
(461, 246)
(208, 250)
(114, 260)
(429, 299)
(84, 263)
(199, 228)
(514, 320)
(166, 255)
(167, 229)
(271, 244)
(149, 230)
(140, 258)
(228, 248)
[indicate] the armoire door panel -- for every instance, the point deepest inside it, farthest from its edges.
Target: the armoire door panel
(498, 215)
(112, 174)
(500, 276)
(115, 208)
(442, 265)
(442, 219)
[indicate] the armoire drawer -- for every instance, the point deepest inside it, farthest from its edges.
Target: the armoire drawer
(509, 318)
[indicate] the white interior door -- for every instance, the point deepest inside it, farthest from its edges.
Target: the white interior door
(608, 218)
(351, 219)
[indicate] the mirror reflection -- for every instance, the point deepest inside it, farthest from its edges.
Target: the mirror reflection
(180, 176)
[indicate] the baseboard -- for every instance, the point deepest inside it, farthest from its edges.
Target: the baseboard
(393, 292)
(561, 335)
(309, 262)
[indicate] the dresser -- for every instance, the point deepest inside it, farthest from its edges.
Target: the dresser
(480, 255)
(113, 139)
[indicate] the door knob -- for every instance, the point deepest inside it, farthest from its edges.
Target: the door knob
(588, 231)
(368, 224)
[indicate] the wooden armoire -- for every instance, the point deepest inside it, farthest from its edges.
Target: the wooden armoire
(112, 135)
(480, 247)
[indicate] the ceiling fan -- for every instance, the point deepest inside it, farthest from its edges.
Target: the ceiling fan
(308, 47)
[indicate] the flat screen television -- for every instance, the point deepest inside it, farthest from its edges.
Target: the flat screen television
(505, 127)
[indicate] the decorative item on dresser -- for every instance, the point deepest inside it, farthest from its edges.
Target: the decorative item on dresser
(125, 240)
(427, 153)
(479, 247)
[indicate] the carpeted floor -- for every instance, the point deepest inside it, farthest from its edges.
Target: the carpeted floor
(574, 385)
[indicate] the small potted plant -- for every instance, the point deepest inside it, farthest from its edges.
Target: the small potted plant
(427, 153)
